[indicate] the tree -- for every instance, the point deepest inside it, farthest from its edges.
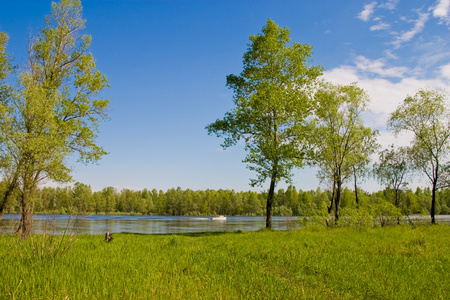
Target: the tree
(10, 176)
(82, 200)
(342, 143)
(110, 196)
(55, 111)
(427, 117)
(271, 107)
(393, 170)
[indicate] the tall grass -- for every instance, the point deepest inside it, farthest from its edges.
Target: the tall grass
(400, 262)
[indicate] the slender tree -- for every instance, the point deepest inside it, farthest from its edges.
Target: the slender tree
(56, 110)
(342, 143)
(427, 116)
(393, 170)
(271, 107)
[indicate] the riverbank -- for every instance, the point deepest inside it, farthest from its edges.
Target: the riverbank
(403, 262)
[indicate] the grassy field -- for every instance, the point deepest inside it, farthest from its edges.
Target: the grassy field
(312, 263)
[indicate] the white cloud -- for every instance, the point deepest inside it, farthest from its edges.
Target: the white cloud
(385, 95)
(437, 48)
(445, 71)
(386, 138)
(367, 11)
(378, 67)
(406, 36)
(390, 4)
(342, 75)
(380, 26)
(442, 11)
(390, 55)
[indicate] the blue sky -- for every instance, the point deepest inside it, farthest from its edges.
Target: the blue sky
(166, 62)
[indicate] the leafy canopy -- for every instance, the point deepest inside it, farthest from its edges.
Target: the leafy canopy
(393, 168)
(427, 116)
(55, 111)
(272, 104)
(341, 140)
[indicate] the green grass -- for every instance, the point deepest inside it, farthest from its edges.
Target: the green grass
(312, 263)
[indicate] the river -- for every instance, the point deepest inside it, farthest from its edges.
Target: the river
(99, 224)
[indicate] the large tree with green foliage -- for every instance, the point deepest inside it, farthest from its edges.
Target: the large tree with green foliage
(272, 105)
(427, 116)
(55, 111)
(342, 142)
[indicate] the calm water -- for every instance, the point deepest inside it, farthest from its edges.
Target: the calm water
(156, 224)
(96, 224)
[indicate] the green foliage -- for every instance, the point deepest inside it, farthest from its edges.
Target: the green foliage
(316, 218)
(338, 263)
(282, 211)
(272, 103)
(272, 106)
(46, 246)
(342, 144)
(5, 94)
(5, 68)
(380, 213)
(55, 111)
(393, 167)
(427, 117)
(385, 212)
(80, 199)
(358, 218)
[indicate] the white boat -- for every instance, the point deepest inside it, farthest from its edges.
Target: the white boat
(218, 218)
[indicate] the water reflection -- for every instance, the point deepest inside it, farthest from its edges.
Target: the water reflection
(99, 224)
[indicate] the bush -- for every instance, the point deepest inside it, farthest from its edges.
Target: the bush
(385, 212)
(356, 217)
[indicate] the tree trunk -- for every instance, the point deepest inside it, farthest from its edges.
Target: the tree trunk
(337, 203)
(356, 188)
(396, 195)
(330, 208)
(433, 203)
(397, 201)
(270, 200)
(27, 193)
(8, 193)
(25, 220)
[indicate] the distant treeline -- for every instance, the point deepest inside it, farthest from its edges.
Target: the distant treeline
(80, 199)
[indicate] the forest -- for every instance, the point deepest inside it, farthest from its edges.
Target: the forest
(80, 199)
